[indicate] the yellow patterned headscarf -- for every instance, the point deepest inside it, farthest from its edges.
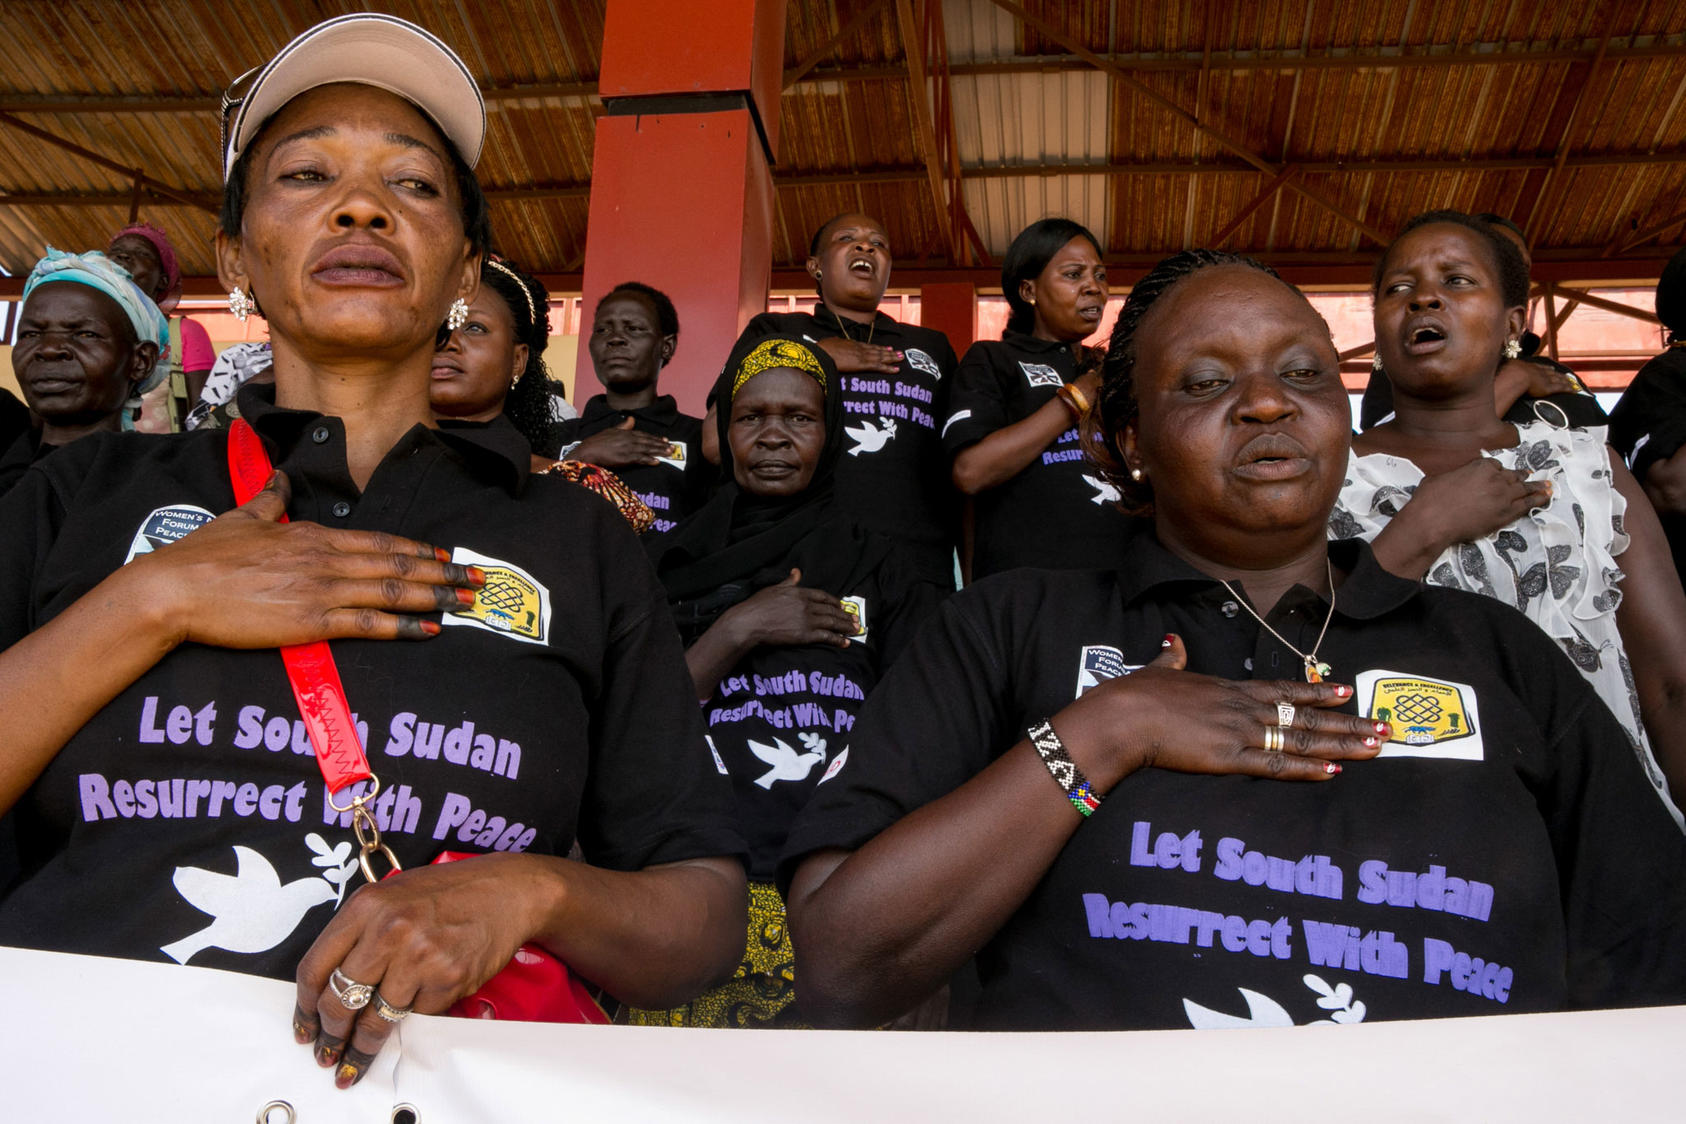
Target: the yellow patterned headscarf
(775, 353)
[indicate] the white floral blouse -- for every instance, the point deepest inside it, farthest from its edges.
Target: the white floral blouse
(1558, 565)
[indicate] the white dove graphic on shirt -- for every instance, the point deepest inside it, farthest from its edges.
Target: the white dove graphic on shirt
(251, 910)
(869, 438)
(1104, 492)
(787, 764)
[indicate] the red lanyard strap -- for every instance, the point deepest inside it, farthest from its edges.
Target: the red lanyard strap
(311, 670)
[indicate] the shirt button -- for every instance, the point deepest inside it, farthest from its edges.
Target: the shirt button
(1229, 608)
(342, 509)
(320, 435)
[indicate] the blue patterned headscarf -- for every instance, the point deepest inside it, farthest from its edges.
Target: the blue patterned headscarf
(97, 271)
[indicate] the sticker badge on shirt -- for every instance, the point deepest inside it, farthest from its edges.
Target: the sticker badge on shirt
(165, 526)
(835, 767)
(1040, 374)
(675, 455)
(920, 361)
(512, 602)
(856, 607)
(1098, 663)
(1430, 717)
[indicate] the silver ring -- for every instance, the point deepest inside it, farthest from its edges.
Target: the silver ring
(1274, 741)
(285, 1107)
(353, 996)
(387, 1011)
(1285, 714)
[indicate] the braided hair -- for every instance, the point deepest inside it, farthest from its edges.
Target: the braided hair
(1118, 407)
(527, 405)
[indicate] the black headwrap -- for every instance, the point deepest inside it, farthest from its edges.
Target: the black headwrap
(738, 544)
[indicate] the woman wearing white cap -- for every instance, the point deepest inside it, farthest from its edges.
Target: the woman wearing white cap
(173, 802)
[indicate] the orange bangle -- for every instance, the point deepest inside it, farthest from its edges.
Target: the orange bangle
(1074, 400)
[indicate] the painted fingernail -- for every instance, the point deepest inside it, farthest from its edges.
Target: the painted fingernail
(1384, 729)
(1342, 690)
(1331, 768)
(1166, 643)
(476, 576)
(430, 627)
(441, 554)
(327, 1056)
(1372, 742)
(301, 1033)
(465, 596)
(346, 1076)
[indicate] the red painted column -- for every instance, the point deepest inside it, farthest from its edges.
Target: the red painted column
(681, 191)
(951, 307)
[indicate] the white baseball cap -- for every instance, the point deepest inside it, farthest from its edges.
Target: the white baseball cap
(371, 49)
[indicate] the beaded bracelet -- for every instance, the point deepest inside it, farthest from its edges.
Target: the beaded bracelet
(1063, 769)
(1073, 400)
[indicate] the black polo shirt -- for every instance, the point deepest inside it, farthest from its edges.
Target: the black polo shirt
(188, 821)
(893, 475)
(1058, 513)
(1649, 425)
(675, 487)
(17, 455)
(782, 716)
(1506, 855)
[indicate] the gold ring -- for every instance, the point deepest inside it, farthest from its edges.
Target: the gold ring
(1274, 741)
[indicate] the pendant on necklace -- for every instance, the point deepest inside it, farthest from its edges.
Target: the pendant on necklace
(1316, 672)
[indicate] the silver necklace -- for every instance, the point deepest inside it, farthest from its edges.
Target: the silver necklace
(1315, 670)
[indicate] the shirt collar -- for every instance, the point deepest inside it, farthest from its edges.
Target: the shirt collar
(1368, 592)
(664, 410)
(495, 447)
(1024, 341)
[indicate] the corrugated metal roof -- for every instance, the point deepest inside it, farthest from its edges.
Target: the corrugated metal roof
(1389, 107)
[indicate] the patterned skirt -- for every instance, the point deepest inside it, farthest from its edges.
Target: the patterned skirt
(760, 992)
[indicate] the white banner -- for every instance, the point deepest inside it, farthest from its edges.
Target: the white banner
(90, 1039)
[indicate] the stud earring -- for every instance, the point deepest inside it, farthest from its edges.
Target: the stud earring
(240, 304)
(1136, 474)
(458, 315)
(1513, 349)
(1376, 363)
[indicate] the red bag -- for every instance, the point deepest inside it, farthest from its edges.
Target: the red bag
(535, 986)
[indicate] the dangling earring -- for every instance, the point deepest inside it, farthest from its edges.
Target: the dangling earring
(1513, 349)
(1136, 474)
(1376, 363)
(458, 316)
(240, 304)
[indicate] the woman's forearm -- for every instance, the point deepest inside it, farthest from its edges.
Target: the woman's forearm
(1009, 450)
(715, 653)
(53, 681)
(879, 931)
(652, 938)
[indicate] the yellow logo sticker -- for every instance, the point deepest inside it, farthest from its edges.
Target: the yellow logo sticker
(512, 602)
(1430, 717)
(675, 455)
(856, 607)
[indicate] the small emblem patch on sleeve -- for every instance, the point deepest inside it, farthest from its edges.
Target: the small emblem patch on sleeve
(512, 602)
(1430, 717)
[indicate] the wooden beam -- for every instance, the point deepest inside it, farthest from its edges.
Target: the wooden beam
(1555, 289)
(796, 73)
(93, 157)
(913, 47)
(1552, 187)
(1259, 200)
(1642, 236)
(1551, 318)
(1359, 351)
(1262, 163)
